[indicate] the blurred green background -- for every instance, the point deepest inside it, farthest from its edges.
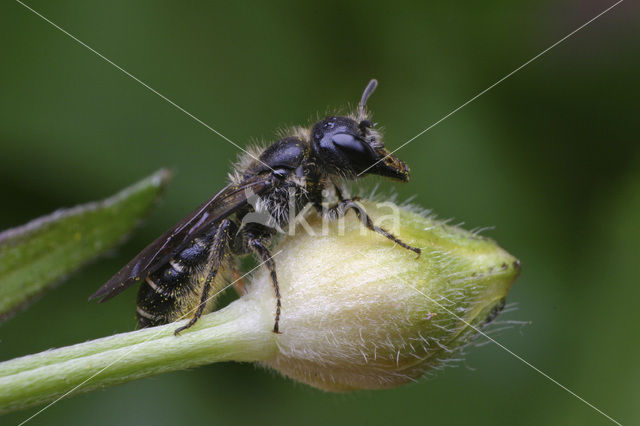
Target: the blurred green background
(549, 157)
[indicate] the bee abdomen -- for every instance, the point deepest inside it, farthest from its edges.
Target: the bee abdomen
(161, 294)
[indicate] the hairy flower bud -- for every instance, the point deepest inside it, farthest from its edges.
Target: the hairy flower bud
(362, 313)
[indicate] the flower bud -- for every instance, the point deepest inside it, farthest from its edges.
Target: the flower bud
(359, 312)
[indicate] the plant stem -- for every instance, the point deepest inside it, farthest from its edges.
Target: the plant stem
(238, 332)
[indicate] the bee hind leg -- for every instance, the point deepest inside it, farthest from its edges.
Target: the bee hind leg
(216, 254)
(204, 298)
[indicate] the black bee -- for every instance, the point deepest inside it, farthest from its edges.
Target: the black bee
(178, 269)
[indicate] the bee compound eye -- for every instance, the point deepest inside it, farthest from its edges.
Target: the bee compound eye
(348, 143)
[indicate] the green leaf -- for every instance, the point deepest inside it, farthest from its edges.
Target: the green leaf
(36, 256)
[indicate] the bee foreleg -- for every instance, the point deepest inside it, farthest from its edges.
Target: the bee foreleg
(214, 259)
(341, 208)
(265, 256)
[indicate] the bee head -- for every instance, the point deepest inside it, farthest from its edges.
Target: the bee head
(351, 148)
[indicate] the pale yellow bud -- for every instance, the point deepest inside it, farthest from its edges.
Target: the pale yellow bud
(359, 312)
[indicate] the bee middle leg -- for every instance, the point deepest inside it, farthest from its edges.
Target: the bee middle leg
(343, 206)
(219, 245)
(265, 256)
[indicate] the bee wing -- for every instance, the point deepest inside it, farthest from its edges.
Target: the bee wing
(222, 205)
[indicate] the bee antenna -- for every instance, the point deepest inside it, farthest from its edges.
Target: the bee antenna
(365, 95)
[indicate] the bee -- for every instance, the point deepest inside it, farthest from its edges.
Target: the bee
(176, 272)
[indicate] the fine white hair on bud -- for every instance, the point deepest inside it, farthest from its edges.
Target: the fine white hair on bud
(359, 312)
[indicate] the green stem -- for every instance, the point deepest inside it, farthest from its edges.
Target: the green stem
(238, 332)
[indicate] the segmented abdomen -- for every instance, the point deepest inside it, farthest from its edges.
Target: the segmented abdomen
(164, 293)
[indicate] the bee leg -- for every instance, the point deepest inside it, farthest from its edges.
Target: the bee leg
(265, 256)
(203, 301)
(341, 208)
(216, 254)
